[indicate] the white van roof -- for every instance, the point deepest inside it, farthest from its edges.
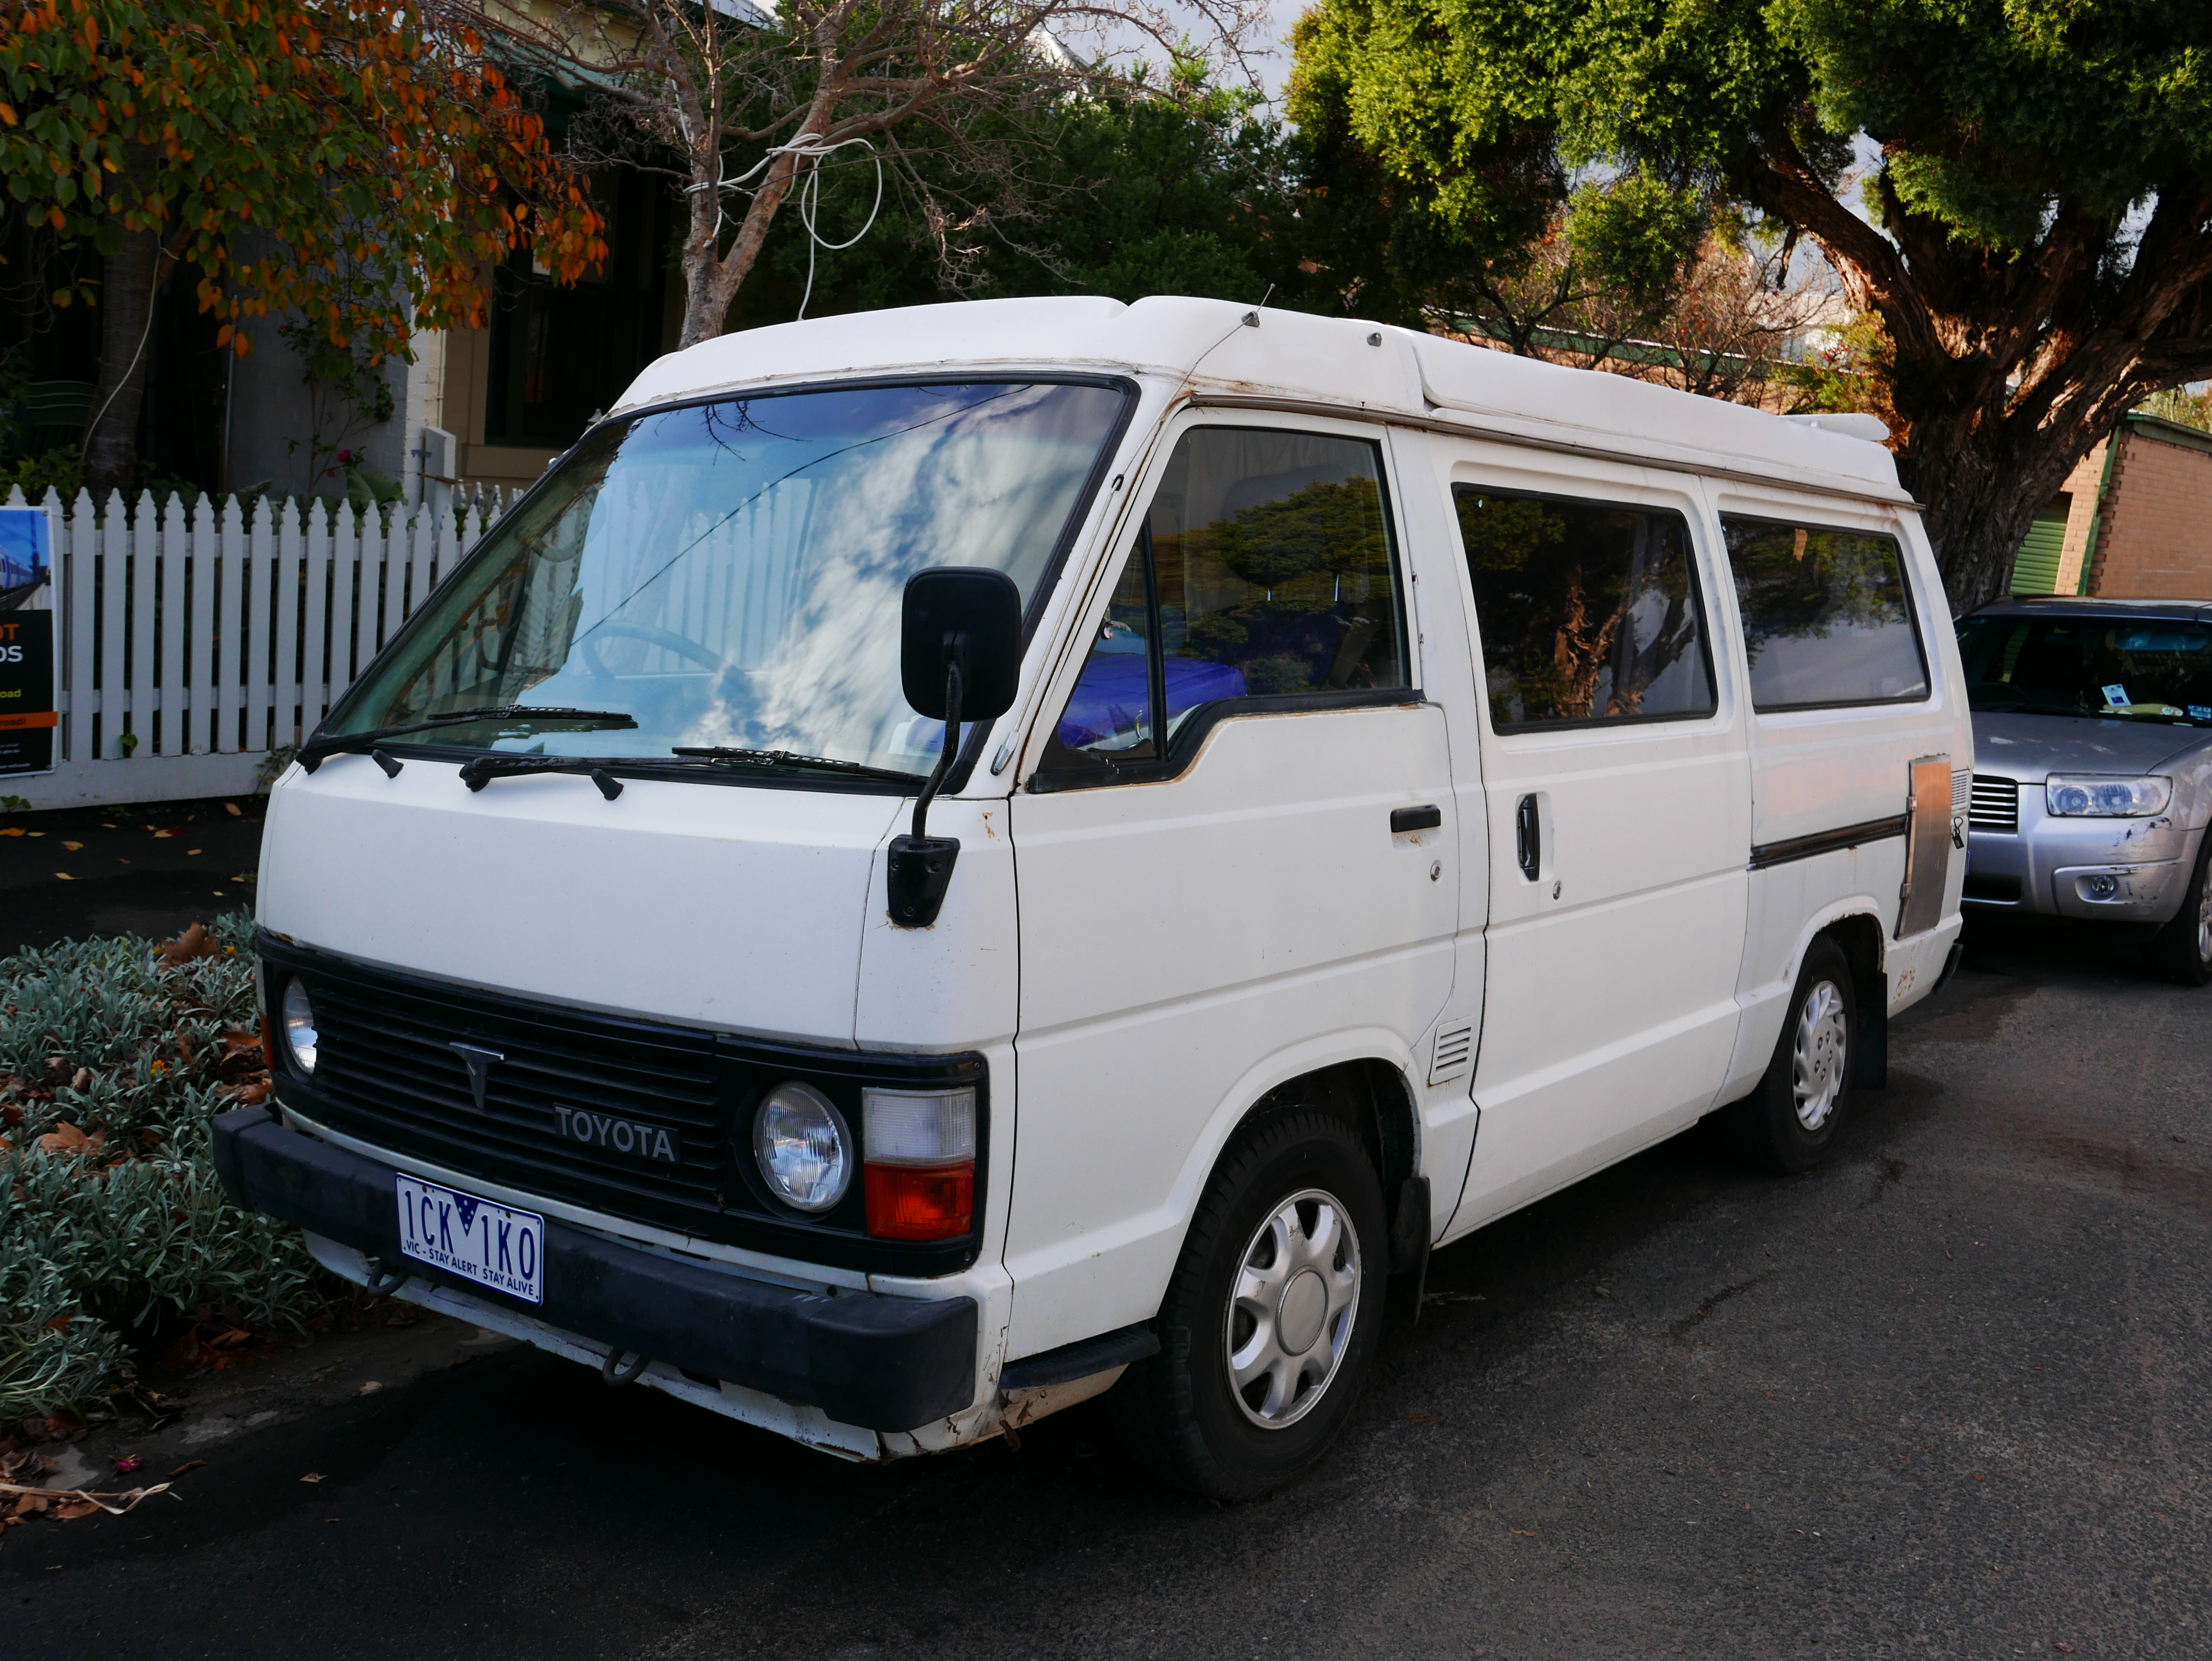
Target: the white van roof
(1228, 351)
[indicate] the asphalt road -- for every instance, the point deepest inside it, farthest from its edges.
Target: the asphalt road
(1946, 1397)
(144, 869)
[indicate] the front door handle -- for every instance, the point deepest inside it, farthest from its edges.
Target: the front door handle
(1528, 838)
(1415, 819)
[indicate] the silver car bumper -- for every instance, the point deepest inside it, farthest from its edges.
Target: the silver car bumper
(2123, 871)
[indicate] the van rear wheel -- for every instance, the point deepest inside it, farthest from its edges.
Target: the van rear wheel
(1270, 1318)
(1788, 1124)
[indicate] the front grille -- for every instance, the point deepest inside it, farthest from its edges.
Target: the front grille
(386, 1072)
(1996, 805)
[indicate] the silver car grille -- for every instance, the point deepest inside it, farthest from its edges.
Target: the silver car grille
(1996, 805)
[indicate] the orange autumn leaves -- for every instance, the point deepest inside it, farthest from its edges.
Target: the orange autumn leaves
(362, 164)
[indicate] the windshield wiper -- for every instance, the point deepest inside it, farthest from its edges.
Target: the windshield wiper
(722, 753)
(315, 751)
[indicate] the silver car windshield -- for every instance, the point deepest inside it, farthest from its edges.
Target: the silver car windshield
(729, 574)
(2147, 669)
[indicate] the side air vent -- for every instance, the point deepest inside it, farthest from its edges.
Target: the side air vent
(1454, 1050)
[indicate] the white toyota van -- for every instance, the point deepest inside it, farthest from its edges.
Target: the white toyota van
(947, 861)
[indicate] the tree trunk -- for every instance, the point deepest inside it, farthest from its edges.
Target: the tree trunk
(1984, 481)
(128, 280)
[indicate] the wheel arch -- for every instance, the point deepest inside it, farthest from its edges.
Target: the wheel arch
(1375, 1099)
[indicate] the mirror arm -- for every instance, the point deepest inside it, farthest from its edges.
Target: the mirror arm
(947, 752)
(920, 868)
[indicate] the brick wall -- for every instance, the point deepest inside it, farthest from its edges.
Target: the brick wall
(2154, 539)
(2080, 489)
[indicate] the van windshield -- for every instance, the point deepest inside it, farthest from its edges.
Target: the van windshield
(2150, 668)
(729, 574)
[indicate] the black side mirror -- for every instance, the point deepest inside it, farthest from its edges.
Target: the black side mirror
(960, 658)
(964, 617)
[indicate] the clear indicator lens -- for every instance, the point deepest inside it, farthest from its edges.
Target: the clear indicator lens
(2089, 796)
(299, 1016)
(801, 1145)
(916, 1127)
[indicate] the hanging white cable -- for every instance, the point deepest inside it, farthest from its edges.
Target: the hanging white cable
(809, 204)
(811, 150)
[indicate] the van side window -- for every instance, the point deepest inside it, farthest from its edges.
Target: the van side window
(1589, 611)
(1264, 569)
(1827, 617)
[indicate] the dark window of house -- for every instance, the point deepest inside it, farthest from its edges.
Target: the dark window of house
(561, 354)
(1589, 611)
(1264, 569)
(1827, 618)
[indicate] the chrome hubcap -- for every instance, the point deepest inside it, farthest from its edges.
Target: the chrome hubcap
(1818, 1055)
(1292, 1309)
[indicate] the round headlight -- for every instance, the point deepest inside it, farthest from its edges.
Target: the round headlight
(298, 1017)
(803, 1149)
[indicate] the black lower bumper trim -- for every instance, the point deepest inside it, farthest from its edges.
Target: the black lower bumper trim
(880, 1363)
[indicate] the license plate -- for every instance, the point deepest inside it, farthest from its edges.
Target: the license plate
(494, 1246)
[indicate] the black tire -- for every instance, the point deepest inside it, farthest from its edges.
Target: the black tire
(1179, 1413)
(1770, 1127)
(2182, 951)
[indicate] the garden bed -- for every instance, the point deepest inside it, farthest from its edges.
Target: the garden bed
(117, 1245)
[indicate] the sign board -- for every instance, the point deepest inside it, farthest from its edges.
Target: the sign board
(27, 646)
(27, 692)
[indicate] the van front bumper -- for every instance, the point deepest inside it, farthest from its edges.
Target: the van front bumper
(880, 1363)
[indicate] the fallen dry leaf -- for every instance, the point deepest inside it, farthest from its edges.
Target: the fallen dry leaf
(313, 1476)
(190, 850)
(74, 847)
(191, 943)
(67, 1138)
(189, 1464)
(11, 830)
(65, 877)
(232, 809)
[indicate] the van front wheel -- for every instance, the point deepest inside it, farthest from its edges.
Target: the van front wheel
(1788, 1124)
(1270, 1318)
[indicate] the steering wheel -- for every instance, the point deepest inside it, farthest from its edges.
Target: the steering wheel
(589, 648)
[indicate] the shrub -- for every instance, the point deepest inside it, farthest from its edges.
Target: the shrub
(114, 1056)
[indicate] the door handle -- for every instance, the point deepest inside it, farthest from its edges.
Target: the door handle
(1415, 819)
(1528, 838)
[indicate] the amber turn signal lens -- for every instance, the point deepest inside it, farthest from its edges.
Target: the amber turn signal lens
(911, 1203)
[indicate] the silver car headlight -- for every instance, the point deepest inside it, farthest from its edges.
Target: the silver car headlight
(2103, 795)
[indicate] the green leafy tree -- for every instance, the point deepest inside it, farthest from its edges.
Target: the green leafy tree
(2037, 229)
(358, 163)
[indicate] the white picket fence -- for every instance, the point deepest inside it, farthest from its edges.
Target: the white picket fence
(190, 646)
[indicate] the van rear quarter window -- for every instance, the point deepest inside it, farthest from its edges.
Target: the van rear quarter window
(1589, 611)
(1827, 617)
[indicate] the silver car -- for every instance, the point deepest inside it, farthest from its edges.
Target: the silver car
(2093, 767)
